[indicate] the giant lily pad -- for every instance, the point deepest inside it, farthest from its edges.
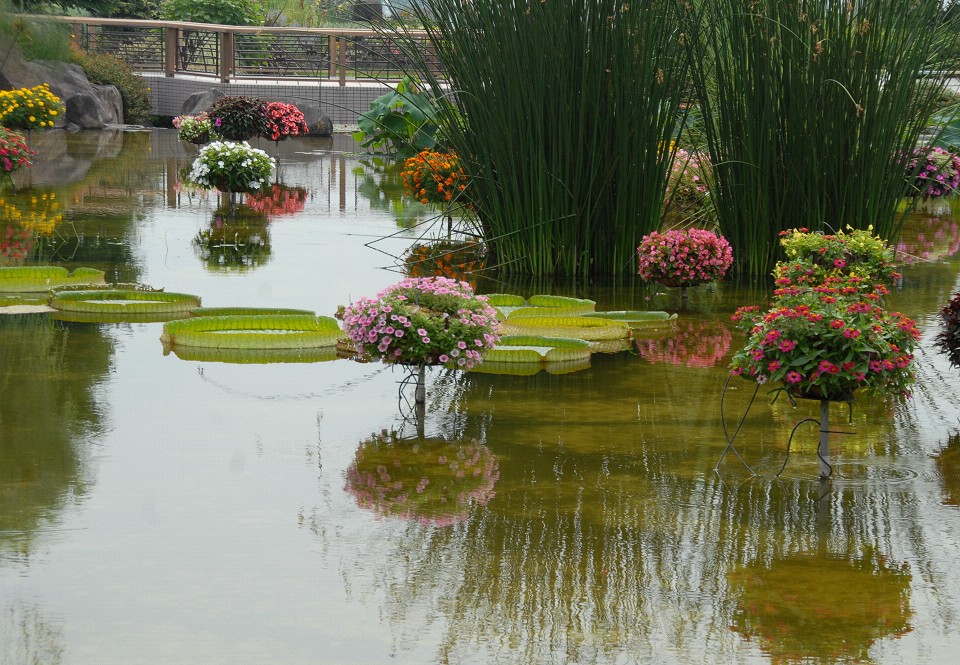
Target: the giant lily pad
(637, 319)
(123, 302)
(252, 356)
(253, 332)
(535, 349)
(579, 327)
(35, 279)
(248, 311)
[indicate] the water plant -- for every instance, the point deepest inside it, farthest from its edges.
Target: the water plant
(568, 152)
(684, 257)
(238, 118)
(820, 106)
(948, 339)
(232, 167)
(194, 128)
(123, 301)
(43, 278)
(283, 121)
(29, 108)
(403, 121)
(253, 331)
(423, 321)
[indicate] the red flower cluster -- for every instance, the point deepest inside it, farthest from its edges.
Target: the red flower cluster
(15, 244)
(14, 151)
(278, 200)
(283, 121)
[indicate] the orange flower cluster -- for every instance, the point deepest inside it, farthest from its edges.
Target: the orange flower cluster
(434, 177)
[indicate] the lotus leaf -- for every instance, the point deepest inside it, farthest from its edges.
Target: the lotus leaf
(118, 301)
(43, 278)
(253, 332)
(580, 327)
(248, 311)
(505, 300)
(565, 302)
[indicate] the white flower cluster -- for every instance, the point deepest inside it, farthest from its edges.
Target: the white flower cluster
(239, 165)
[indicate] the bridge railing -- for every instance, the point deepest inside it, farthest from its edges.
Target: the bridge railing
(231, 53)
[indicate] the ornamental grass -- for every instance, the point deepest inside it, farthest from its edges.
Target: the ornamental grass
(820, 106)
(562, 117)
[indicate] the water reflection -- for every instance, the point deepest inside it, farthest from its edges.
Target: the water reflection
(48, 372)
(27, 637)
(278, 200)
(694, 344)
(948, 467)
(429, 480)
(237, 239)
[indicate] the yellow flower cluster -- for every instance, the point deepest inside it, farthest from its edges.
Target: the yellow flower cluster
(39, 214)
(29, 108)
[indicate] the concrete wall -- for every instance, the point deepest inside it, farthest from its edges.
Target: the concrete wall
(341, 103)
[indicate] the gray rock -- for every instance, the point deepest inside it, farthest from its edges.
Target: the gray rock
(319, 123)
(199, 102)
(99, 105)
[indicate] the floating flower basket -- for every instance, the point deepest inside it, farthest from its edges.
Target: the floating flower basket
(427, 480)
(122, 301)
(44, 278)
(253, 332)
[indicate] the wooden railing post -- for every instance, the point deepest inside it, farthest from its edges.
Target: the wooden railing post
(171, 38)
(332, 68)
(76, 30)
(226, 56)
(342, 60)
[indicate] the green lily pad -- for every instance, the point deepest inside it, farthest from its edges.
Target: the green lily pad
(35, 279)
(253, 356)
(579, 327)
(563, 302)
(248, 311)
(637, 319)
(253, 332)
(505, 300)
(122, 301)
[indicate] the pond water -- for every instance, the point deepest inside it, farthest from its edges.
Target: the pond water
(159, 509)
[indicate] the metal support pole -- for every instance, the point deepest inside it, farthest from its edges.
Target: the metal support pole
(824, 449)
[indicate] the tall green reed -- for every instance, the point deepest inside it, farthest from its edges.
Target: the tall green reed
(810, 108)
(562, 114)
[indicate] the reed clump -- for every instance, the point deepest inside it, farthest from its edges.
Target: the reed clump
(811, 111)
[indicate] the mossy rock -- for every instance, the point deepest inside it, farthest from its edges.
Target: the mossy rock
(563, 302)
(253, 332)
(121, 301)
(253, 356)
(505, 300)
(35, 279)
(249, 311)
(637, 319)
(579, 327)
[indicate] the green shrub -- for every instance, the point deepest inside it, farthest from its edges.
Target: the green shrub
(107, 69)
(239, 118)
(224, 12)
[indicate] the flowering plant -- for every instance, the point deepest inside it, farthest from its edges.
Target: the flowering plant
(283, 121)
(687, 192)
(29, 108)
(823, 346)
(193, 128)
(937, 172)
(434, 177)
(686, 257)
(423, 320)
(14, 151)
(948, 339)
(238, 118)
(432, 481)
(278, 200)
(232, 167)
(16, 243)
(814, 257)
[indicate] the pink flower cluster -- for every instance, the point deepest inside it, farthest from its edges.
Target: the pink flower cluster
(423, 320)
(685, 257)
(937, 172)
(284, 121)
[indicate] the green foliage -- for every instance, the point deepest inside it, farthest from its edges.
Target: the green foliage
(107, 69)
(563, 117)
(820, 106)
(403, 121)
(238, 118)
(37, 37)
(224, 12)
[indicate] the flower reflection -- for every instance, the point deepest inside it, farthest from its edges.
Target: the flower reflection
(25, 217)
(928, 238)
(456, 259)
(695, 344)
(238, 238)
(432, 481)
(819, 608)
(278, 200)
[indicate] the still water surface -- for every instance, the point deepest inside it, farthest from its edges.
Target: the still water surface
(161, 510)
